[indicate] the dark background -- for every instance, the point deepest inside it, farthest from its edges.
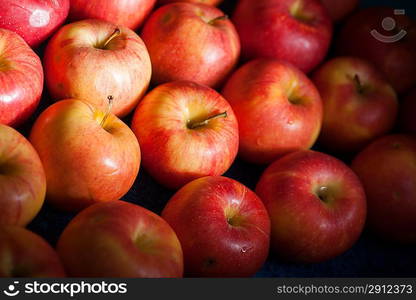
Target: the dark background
(370, 257)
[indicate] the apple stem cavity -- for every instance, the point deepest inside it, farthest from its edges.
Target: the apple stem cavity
(220, 18)
(109, 107)
(359, 86)
(116, 33)
(194, 125)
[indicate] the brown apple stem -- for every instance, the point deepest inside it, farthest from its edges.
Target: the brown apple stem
(220, 18)
(206, 121)
(109, 107)
(112, 36)
(358, 84)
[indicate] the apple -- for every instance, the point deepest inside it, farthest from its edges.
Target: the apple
(316, 204)
(223, 227)
(386, 39)
(34, 20)
(190, 41)
(339, 9)
(407, 114)
(278, 108)
(89, 155)
(359, 104)
(22, 179)
(208, 2)
(25, 254)
(92, 59)
(21, 77)
(120, 239)
(185, 131)
(387, 169)
(297, 31)
(128, 13)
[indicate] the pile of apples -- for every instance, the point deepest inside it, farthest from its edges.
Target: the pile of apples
(259, 84)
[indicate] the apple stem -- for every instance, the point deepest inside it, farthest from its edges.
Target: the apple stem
(112, 36)
(206, 121)
(109, 107)
(358, 84)
(220, 18)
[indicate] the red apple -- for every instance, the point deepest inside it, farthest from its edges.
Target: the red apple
(386, 39)
(89, 156)
(359, 104)
(387, 169)
(25, 254)
(120, 239)
(34, 20)
(185, 131)
(91, 59)
(223, 227)
(278, 108)
(297, 31)
(407, 114)
(339, 9)
(21, 79)
(316, 204)
(190, 41)
(208, 2)
(128, 13)
(22, 179)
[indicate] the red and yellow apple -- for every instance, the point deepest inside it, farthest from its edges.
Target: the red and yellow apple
(387, 169)
(278, 108)
(92, 59)
(297, 31)
(120, 239)
(22, 179)
(21, 79)
(25, 254)
(316, 204)
(359, 104)
(89, 155)
(223, 227)
(189, 41)
(185, 131)
(407, 114)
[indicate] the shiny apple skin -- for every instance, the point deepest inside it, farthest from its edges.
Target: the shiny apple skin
(407, 114)
(174, 154)
(184, 46)
(396, 60)
(387, 169)
(201, 212)
(22, 179)
(21, 79)
(269, 124)
(128, 13)
(208, 2)
(120, 239)
(75, 68)
(267, 29)
(34, 20)
(25, 254)
(84, 162)
(352, 118)
(339, 9)
(305, 228)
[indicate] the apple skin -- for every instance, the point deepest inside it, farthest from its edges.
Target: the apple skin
(120, 239)
(25, 254)
(128, 13)
(22, 179)
(208, 2)
(76, 66)
(84, 162)
(407, 114)
(183, 45)
(387, 169)
(339, 9)
(269, 29)
(305, 228)
(223, 227)
(173, 153)
(21, 79)
(357, 110)
(396, 60)
(270, 125)
(34, 20)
